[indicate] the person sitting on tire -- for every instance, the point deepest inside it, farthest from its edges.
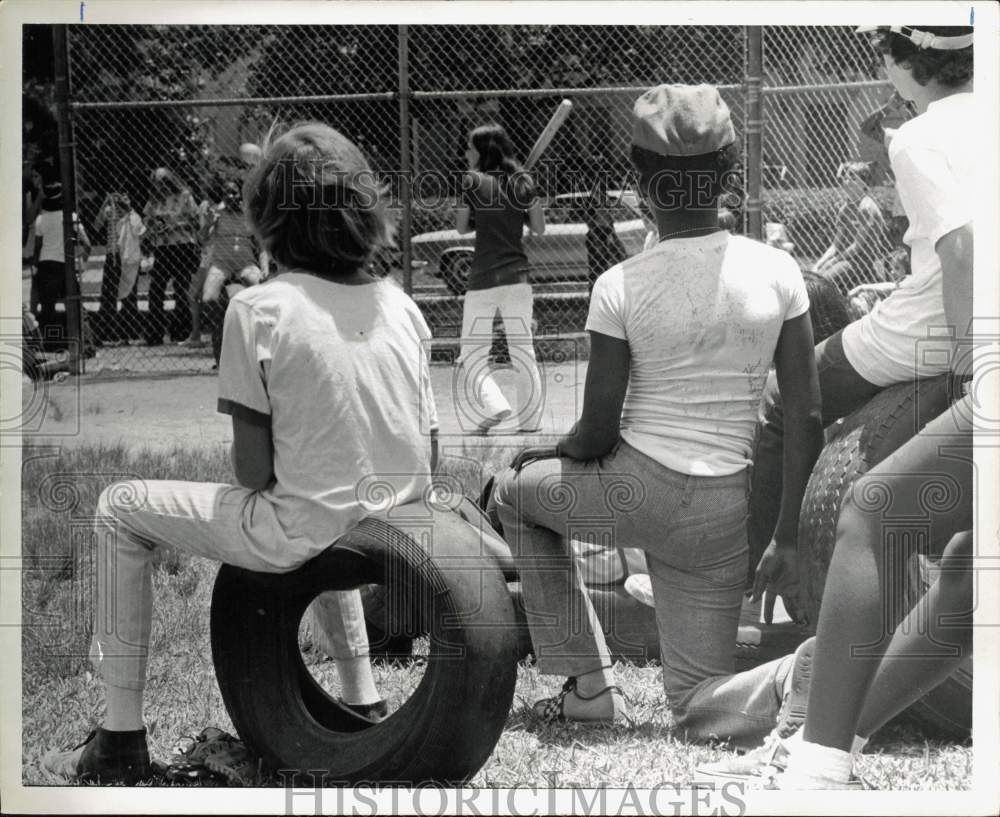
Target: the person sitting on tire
(849, 697)
(934, 158)
(682, 336)
(324, 372)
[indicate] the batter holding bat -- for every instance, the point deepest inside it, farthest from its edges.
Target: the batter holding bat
(499, 198)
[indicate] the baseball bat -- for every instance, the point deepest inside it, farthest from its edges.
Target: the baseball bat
(546, 136)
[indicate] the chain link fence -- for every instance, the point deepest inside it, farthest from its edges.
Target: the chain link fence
(186, 98)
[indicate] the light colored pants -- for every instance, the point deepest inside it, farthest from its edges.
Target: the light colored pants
(203, 519)
(693, 530)
(479, 390)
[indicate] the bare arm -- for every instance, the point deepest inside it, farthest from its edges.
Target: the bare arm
(597, 430)
(536, 218)
(798, 382)
(463, 218)
(252, 454)
(954, 249)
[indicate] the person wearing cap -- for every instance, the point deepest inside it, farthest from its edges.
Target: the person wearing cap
(935, 158)
(682, 337)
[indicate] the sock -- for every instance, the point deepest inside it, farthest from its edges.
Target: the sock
(357, 684)
(123, 711)
(809, 762)
(795, 739)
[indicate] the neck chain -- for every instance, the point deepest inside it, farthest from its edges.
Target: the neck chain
(704, 230)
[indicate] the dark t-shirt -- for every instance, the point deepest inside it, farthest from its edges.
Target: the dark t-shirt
(499, 258)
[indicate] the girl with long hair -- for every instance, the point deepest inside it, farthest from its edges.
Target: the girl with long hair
(499, 198)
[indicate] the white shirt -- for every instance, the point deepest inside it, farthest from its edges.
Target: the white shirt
(702, 318)
(340, 374)
(49, 228)
(934, 158)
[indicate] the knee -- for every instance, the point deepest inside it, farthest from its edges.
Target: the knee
(506, 496)
(956, 566)
(859, 524)
(117, 501)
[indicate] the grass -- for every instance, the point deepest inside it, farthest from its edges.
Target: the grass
(62, 700)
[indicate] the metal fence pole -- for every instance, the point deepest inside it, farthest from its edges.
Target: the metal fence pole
(754, 120)
(74, 322)
(405, 197)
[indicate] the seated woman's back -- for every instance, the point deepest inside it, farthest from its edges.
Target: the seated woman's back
(340, 374)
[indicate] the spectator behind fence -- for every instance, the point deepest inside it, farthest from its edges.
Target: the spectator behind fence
(171, 218)
(861, 238)
(49, 266)
(122, 251)
(604, 247)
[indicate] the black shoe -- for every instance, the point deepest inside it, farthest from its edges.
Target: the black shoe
(375, 712)
(104, 757)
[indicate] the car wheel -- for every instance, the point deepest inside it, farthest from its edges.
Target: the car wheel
(455, 272)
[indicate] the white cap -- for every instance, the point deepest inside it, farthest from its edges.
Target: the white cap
(923, 39)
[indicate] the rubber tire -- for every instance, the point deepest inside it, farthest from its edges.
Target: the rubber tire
(448, 727)
(858, 443)
(455, 272)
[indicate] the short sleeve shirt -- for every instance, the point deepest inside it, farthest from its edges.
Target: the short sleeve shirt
(340, 375)
(49, 228)
(701, 317)
(934, 161)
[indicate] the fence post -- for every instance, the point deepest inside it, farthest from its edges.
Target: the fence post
(74, 301)
(755, 120)
(405, 193)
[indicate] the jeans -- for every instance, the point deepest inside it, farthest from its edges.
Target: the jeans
(178, 262)
(693, 530)
(481, 392)
(843, 391)
(203, 519)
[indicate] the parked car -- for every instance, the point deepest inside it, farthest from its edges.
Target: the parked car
(560, 254)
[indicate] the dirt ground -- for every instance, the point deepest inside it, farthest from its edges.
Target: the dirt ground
(161, 413)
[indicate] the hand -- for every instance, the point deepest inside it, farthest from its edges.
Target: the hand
(529, 455)
(888, 134)
(778, 573)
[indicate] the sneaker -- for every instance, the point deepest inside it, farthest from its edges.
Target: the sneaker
(104, 757)
(763, 769)
(792, 715)
(375, 712)
(785, 782)
(758, 768)
(639, 587)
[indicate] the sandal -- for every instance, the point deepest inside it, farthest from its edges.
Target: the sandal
(551, 709)
(212, 753)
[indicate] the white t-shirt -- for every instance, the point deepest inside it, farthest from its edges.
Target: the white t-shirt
(341, 375)
(49, 228)
(702, 318)
(934, 158)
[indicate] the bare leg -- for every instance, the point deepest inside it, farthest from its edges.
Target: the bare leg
(915, 500)
(929, 645)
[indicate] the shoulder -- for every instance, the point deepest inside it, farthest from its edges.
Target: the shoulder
(762, 259)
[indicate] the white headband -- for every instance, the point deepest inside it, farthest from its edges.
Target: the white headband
(923, 39)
